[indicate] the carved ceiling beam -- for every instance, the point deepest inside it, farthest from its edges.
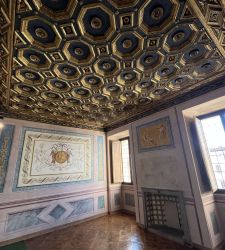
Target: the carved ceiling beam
(212, 18)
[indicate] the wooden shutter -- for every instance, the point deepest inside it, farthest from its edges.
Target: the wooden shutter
(205, 154)
(117, 162)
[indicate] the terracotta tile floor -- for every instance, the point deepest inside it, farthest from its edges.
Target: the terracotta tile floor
(115, 232)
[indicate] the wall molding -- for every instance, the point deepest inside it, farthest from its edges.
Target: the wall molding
(208, 199)
(189, 201)
(4, 205)
(219, 198)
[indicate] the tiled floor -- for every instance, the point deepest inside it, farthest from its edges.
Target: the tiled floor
(106, 233)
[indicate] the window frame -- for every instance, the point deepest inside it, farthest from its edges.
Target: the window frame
(211, 114)
(131, 177)
(204, 147)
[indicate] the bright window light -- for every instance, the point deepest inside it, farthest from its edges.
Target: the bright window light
(214, 133)
(126, 161)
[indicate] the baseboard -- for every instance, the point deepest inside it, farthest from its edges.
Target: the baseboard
(167, 236)
(29, 236)
(220, 246)
(197, 246)
(141, 226)
(127, 212)
(124, 211)
(114, 212)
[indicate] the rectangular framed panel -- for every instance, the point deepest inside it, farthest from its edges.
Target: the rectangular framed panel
(155, 135)
(51, 157)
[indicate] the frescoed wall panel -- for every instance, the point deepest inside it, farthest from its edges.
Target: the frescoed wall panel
(100, 141)
(6, 137)
(51, 157)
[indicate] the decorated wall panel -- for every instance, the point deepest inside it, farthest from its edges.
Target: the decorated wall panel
(214, 222)
(117, 199)
(155, 135)
(51, 157)
(129, 200)
(6, 138)
(96, 64)
(101, 202)
(100, 141)
(23, 220)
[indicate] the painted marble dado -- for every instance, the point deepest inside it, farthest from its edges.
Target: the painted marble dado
(50, 214)
(51, 157)
(129, 200)
(101, 202)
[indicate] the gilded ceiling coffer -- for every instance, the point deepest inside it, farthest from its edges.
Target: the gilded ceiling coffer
(98, 64)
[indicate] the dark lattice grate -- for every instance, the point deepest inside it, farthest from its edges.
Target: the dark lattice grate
(155, 209)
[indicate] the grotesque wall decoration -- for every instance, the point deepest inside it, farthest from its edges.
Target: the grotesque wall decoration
(94, 64)
(47, 157)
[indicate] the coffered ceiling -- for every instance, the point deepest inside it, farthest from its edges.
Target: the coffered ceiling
(99, 64)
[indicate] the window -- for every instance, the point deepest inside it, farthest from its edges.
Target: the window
(213, 131)
(125, 161)
(121, 171)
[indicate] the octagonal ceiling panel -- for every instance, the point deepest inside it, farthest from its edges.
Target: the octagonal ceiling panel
(97, 64)
(56, 9)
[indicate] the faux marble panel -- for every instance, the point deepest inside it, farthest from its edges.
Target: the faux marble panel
(101, 202)
(24, 219)
(214, 222)
(117, 199)
(6, 138)
(82, 207)
(100, 141)
(57, 212)
(129, 200)
(50, 214)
